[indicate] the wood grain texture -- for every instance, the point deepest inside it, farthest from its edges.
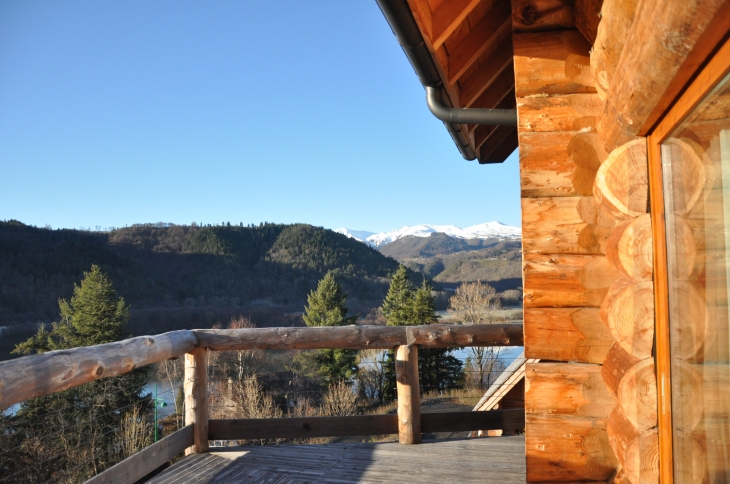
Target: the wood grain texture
(447, 17)
(578, 69)
(135, 467)
(586, 150)
(566, 334)
(621, 432)
(597, 277)
(661, 37)
(481, 38)
(587, 17)
(618, 362)
(540, 15)
(629, 248)
(196, 398)
(551, 226)
(642, 459)
(628, 311)
(622, 181)
(338, 463)
(409, 395)
(637, 393)
(616, 19)
(567, 389)
(565, 112)
(473, 86)
(554, 280)
(38, 375)
(540, 63)
(567, 448)
(361, 337)
(546, 168)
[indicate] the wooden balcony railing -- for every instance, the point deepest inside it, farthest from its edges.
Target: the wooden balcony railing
(39, 375)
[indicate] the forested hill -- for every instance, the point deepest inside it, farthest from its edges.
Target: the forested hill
(174, 267)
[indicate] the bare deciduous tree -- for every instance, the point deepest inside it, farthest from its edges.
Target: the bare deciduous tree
(134, 433)
(477, 303)
(339, 401)
(243, 357)
(371, 376)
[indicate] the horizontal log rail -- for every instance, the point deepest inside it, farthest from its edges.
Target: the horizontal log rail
(310, 427)
(361, 337)
(38, 375)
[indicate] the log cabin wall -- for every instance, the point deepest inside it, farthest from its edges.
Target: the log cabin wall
(587, 253)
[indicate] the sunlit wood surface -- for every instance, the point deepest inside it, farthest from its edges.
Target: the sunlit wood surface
(498, 460)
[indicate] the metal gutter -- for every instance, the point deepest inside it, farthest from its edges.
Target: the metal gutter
(404, 27)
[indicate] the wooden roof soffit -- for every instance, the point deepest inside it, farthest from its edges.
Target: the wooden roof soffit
(470, 44)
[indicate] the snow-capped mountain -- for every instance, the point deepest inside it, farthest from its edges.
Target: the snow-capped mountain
(488, 230)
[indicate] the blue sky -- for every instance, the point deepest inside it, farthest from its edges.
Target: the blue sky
(122, 112)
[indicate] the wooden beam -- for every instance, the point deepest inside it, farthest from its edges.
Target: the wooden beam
(503, 137)
(566, 334)
(38, 375)
(661, 37)
(567, 112)
(546, 168)
(555, 280)
(506, 101)
(567, 448)
(135, 467)
(551, 225)
(301, 428)
(409, 395)
(310, 427)
(448, 16)
(587, 17)
(468, 421)
(487, 73)
(361, 337)
(540, 60)
(196, 398)
(498, 93)
(483, 36)
(541, 15)
(505, 149)
(567, 389)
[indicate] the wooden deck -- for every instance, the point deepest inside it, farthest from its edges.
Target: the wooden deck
(498, 460)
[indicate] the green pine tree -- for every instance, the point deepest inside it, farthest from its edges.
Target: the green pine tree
(83, 418)
(326, 307)
(403, 306)
(398, 302)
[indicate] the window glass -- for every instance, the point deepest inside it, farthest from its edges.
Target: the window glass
(696, 167)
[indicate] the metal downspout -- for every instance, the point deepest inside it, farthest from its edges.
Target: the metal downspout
(404, 27)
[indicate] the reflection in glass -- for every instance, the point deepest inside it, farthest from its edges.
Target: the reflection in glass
(696, 166)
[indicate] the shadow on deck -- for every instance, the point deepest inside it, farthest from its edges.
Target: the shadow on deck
(498, 460)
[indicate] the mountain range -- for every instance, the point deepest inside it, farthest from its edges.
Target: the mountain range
(489, 230)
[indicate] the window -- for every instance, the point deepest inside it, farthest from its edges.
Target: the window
(690, 158)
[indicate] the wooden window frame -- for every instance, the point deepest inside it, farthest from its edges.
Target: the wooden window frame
(714, 71)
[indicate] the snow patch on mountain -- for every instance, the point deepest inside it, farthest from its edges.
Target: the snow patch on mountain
(360, 235)
(488, 230)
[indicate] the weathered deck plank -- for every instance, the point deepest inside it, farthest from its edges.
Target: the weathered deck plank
(499, 460)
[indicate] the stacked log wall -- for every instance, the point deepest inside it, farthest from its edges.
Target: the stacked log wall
(587, 252)
(566, 275)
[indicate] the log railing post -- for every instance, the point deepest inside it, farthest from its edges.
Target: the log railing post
(409, 394)
(196, 401)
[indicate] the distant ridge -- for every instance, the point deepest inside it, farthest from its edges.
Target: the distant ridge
(489, 230)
